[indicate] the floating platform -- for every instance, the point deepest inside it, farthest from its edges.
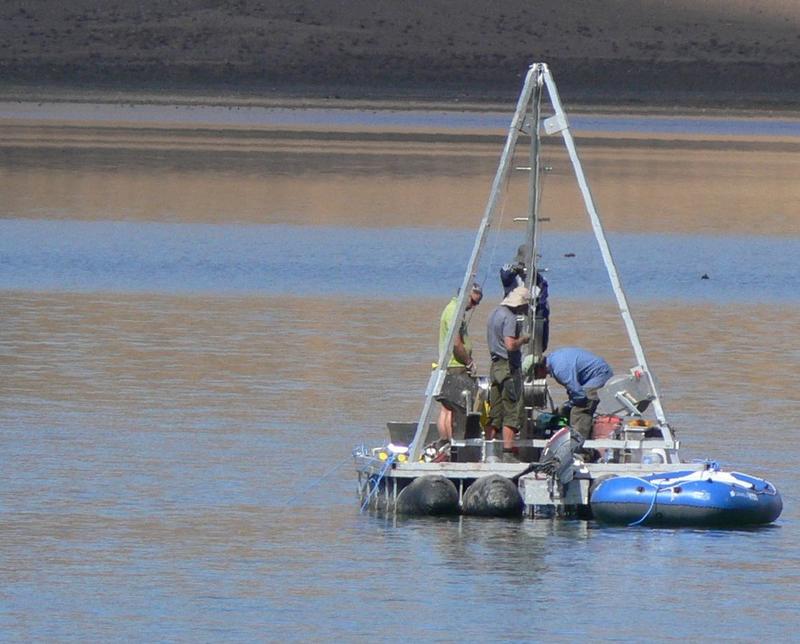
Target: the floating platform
(628, 471)
(384, 473)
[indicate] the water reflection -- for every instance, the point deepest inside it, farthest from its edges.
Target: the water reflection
(367, 179)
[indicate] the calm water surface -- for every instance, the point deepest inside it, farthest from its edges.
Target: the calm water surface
(194, 336)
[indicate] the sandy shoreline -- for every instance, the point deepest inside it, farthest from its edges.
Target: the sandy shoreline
(719, 54)
(305, 98)
(706, 89)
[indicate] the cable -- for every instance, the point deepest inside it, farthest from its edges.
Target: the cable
(496, 229)
(317, 482)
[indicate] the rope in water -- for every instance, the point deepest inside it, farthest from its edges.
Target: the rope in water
(317, 482)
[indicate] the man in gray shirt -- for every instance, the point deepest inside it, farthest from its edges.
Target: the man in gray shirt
(507, 409)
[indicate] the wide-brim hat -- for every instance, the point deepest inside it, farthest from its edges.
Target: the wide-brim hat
(520, 296)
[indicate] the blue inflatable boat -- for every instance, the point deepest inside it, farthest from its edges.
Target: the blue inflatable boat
(707, 498)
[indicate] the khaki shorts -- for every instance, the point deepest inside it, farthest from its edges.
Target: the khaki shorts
(505, 396)
(457, 381)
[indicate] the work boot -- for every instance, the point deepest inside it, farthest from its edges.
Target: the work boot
(509, 457)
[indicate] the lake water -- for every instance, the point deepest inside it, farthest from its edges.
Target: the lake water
(201, 316)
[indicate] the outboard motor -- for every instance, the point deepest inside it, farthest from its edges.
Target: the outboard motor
(559, 453)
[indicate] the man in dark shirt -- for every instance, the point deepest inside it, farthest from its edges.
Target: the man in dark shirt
(512, 276)
(507, 408)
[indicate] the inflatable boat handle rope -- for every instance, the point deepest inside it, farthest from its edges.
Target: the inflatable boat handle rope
(712, 467)
(656, 490)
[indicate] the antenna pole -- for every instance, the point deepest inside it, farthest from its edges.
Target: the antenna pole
(534, 190)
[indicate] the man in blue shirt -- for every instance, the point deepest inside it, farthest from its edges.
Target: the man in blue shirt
(582, 373)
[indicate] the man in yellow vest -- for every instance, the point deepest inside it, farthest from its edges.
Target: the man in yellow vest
(461, 360)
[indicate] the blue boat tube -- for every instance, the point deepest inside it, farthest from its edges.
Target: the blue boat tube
(706, 498)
